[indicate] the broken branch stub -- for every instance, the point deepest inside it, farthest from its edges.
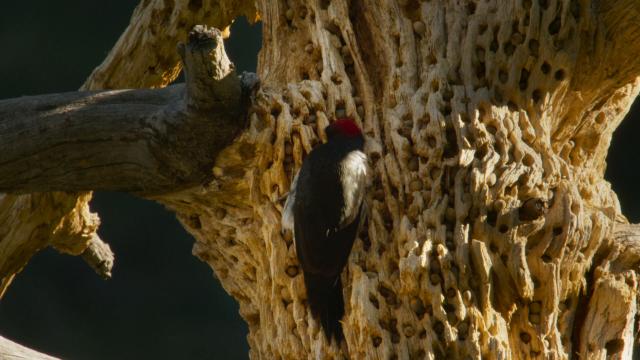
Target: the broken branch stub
(210, 77)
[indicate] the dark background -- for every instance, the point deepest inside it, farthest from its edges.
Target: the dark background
(162, 302)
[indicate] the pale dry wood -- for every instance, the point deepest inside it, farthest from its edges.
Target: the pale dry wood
(9, 350)
(472, 114)
(99, 256)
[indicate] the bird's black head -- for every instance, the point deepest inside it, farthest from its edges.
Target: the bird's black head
(343, 127)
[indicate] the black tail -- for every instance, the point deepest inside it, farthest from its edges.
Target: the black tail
(324, 295)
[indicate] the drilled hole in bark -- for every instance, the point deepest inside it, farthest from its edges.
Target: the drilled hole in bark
(557, 231)
(435, 278)
(503, 76)
(431, 141)
(534, 46)
(614, 346)
(482, 151)
(531, 209)
(536, 95)
(381, 250)
(559, 75)
(387, 294)
(535, 307)
(575, 9)
(545, 68)
(471, 8)
(480, 70)
(435, 86)
(528, 160)
(525, 337)
(554, 27)
(438, 327)
(494, 45)
(292, 271)
(376, 340)
(497, 94)
(195, 5)
(451, 148)
(374, 301)
(449, 308)
(546, 258)
(517, 38)
(524, 79)
(482, 28)
(276, 110)
(446, 110)
(511, 105)
(418, 307)
(544, 4)
(492, 217)
(509, 49)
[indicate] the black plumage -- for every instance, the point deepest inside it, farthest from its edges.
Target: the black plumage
(324, 230)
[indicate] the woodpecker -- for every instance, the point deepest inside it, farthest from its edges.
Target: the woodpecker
(324, 211)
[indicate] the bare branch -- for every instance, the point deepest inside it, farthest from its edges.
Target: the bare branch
(143, 141)
(10, 350)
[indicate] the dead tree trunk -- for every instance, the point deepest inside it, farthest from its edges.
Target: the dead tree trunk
(491, 231)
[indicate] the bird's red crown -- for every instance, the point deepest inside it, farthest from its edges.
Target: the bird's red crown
(346, 126)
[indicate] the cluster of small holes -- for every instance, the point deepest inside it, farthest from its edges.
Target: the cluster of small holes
(432, 142)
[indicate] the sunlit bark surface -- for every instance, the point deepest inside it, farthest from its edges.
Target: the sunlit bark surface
(491, 232)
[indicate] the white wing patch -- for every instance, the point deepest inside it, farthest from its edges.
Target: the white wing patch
(287, 211)
(354, 169)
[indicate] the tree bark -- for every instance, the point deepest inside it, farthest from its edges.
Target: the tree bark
(492, 233)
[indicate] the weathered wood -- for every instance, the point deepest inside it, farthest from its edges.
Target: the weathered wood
(491, 231)
(141, 141)
(99, 256)
(10, 350)
(144, 56)
(472, 113)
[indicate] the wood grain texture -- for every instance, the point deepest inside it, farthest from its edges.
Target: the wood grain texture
(489, 217)
(139, 141)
